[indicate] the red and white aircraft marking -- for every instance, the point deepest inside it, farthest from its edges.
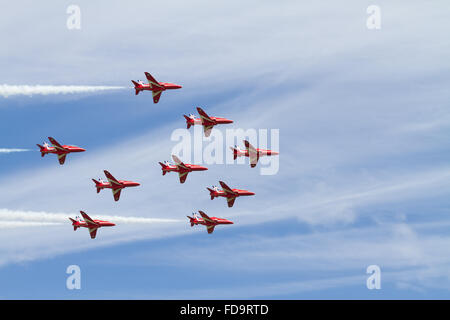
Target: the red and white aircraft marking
(154, 86)
(209, 222)
(227, 192)
(58, 149)
(115, 185)
(253, 153)
(206, 121)
(182, 168)
(89, 223)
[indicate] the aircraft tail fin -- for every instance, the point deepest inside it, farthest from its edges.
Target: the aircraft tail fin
(188, 124)
(235, 152)
(136, 86)
(162, 167)
(41, 149)
(75, 227)
(211, 193)
(191, 220)
(97, 184)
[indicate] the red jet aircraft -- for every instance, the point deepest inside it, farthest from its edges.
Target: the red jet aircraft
(115, 185)
(58, 149)
(251, 152)
(206, 121)
(227, 192)
(210, 223)
(89, 223)
(182, 168)
(154, 86)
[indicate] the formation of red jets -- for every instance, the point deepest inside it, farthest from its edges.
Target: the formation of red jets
(183, 169)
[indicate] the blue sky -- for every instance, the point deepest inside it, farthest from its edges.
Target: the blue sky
(364, 172)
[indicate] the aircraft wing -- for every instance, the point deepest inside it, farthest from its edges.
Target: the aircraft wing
(179, 163)
(116, 194)
(210, 228)
(156, 95)
(205, 216)
(252, 153)
(61, 158)
(253, 160)
(111, 179)
(249, 146)
(205, 118)
(88, 220)
(207, 129)
(56, 144)
(183, 176)
(231, 201)
(226, 188)
(152, 81)
(93, 232)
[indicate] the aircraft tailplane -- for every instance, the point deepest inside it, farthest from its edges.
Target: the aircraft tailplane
(136, 86)
(234, 153)
(97, 184)
(42, 150)
(211, 193)
(162, 167)
(75, 227)
(188, 124)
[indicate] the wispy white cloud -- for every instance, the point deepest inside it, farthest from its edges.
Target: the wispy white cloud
(409, 255)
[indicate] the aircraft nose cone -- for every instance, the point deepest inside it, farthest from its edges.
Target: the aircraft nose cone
(81, 149)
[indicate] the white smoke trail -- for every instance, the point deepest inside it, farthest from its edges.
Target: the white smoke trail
(38, 218)
(19, 224)
(6, 150)
(12, 90)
